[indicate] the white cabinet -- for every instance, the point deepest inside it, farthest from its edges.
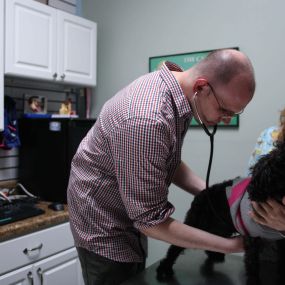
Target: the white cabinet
(45, 257)
(46, 43)
(30, 39)
(1, 65)
(59, 269)
(76, 49)
(63, 268)
(22, 276)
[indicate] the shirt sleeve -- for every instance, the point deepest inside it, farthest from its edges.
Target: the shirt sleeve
(141, 150)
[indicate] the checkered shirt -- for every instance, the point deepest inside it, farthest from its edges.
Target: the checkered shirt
(122, 169)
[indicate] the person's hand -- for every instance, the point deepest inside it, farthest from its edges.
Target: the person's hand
(236, 244)
(270, 214)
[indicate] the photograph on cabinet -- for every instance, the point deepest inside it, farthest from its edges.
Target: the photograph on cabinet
(34, 104)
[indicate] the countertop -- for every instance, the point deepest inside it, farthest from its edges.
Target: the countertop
(188, 271)
(33, 224)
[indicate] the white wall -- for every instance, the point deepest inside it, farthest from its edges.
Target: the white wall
(131, 31)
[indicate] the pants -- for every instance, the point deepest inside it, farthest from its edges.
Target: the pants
(99, 270)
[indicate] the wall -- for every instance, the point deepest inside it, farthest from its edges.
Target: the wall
(131, 31)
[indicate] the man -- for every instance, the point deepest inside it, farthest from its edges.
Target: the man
(121, 172)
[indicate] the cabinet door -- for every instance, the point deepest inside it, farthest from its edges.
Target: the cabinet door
(30, 39)
(22, 276)
(62, 268)
(76, 49)
(1, 65)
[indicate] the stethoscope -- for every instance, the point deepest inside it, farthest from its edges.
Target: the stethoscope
(210, 135)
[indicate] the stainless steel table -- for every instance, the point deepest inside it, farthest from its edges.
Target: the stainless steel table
(187, 272)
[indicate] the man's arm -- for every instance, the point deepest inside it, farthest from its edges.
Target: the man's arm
(187, 180)
(270, 214)
(179, 234)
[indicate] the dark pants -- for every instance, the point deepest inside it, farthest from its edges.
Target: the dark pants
(99, 270)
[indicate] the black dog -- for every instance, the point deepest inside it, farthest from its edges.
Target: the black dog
(211, 211)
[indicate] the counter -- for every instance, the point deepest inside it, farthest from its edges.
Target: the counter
(29, 225)
(187, 271)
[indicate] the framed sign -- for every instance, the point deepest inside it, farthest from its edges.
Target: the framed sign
(185, 61)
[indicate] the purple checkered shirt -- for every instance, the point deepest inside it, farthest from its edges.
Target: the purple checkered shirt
(122, 169)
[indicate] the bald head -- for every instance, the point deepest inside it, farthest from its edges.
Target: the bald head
(224, 65)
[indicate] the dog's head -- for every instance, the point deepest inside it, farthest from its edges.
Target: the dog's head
(268, 176)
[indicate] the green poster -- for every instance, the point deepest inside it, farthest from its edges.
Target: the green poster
(185, 61)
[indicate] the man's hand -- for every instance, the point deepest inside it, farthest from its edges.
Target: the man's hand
(270, 214)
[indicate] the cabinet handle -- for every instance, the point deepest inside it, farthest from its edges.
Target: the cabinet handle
(30, 277)
(40, 272)
(54, 75)
(29, 250)
(62, 76)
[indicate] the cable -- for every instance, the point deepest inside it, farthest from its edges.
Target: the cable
(211, 136)
(4, 197)
(25, 190)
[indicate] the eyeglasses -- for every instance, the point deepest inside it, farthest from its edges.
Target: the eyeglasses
(226, 113)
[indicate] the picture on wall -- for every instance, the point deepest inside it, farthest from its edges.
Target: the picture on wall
(185, 61)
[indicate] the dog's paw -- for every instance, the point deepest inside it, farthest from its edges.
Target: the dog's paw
(164, 271)
(253, 280)
(207, 269)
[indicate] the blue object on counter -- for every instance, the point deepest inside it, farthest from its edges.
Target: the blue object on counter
(34, 115)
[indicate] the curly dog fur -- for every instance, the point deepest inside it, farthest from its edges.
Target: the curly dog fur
(210, 212)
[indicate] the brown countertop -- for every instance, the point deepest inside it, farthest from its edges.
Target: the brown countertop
(33, 224)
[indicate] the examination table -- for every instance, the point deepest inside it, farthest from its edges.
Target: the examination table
(187, 271)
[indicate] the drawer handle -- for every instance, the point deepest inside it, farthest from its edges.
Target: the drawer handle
(40, 272)
(27, 250)
(30, 277)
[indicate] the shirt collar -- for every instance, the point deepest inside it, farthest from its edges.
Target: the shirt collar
(181, 102)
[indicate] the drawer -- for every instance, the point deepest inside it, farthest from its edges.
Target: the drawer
(29, 248)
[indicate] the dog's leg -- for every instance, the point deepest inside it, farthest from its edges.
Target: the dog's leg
(281, 261)
(215, 257)
(268, 263)
(164, 270)
(251, 259)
